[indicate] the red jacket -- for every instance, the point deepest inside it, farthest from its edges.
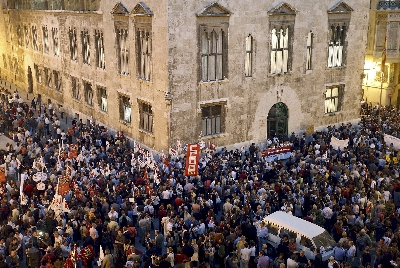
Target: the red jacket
(180, 258)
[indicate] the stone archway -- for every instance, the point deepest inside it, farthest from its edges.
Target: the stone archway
(277, 120)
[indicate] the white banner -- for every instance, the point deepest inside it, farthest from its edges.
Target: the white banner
(392, 139)
(336, 143)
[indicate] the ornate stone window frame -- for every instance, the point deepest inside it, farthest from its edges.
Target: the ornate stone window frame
(338, 25)
(281, 31)
(213, 27)
(143, 19)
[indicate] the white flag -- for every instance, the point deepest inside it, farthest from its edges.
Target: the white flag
(173, 152)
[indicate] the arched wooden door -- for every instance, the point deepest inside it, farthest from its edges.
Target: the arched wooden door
(277, 121)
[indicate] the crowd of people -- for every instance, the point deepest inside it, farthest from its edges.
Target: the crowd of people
(121, 213)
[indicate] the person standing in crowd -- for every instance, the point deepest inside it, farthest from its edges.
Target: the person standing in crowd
(115, 185)
(108, 261)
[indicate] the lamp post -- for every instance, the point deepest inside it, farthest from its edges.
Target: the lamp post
(380, 98)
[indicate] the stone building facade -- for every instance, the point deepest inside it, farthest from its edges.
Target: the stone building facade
(229, 72)
(383, 85)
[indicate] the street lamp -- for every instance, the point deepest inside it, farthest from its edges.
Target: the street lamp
(380, 99)
(381, 78)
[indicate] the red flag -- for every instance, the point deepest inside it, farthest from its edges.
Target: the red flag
(384, 56)
(192, 160)
(73, 151)
(3, 174)
(63, 185)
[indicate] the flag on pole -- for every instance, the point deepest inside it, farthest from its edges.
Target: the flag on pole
(73, 151)
(384, 55)
(173, 152)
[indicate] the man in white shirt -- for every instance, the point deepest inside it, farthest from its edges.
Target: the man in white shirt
(245, 256)
(113, 213)
(166, 195)
(291, 262)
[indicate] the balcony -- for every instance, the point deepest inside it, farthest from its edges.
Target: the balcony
(392, 55)
(388, 5)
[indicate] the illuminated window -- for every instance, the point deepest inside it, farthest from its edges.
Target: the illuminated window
(56, 41)
(73, 44)
(333, 99)
(102, 99)
(88, 91)
(248, 66)
(46, 46)
(125, 110)
(85, 47)
(99, 44)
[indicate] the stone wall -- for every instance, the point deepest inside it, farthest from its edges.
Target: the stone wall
(249, 99)
(176, 68)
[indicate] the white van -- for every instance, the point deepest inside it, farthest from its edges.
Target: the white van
(307, 235)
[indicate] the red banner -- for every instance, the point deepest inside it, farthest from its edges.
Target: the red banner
(3, 174)
(63, 185)
(192, 160)
(279, 150)
(73, 151)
